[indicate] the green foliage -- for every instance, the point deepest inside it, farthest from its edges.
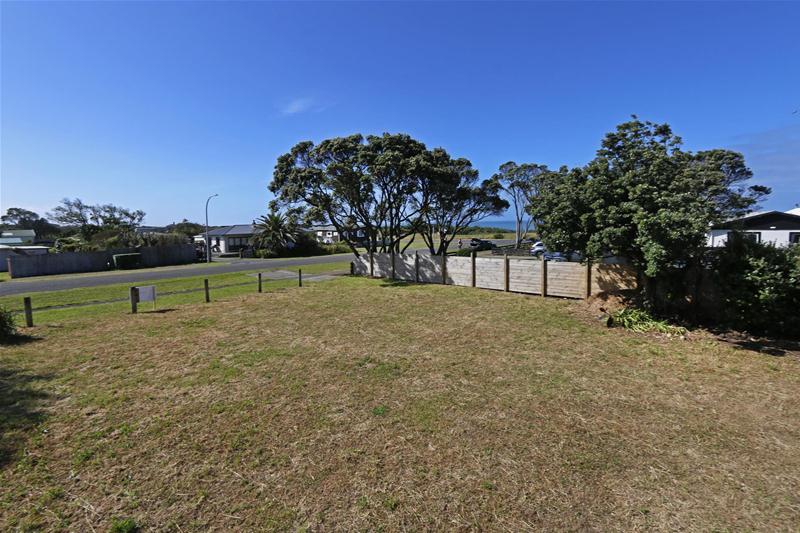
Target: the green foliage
(275, 233)
(758, 287)
(641, 321)
(8, 325)
(186, 228)
(644, 198)
(124, 525)
(19, 218)
(91, 219)
(521, 184)
(127, 261)
(463, 252)
(498, 235)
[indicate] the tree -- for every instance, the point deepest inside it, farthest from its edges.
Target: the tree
(275, 232)
(521, 185)
(90, 219)
(184, 227)
(644, 198)
(451, 198)
(19, 218)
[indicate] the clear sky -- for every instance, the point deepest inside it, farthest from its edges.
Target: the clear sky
(156, 105)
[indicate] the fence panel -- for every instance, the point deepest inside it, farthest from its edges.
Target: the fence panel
(430, 268)
(383, 265)
(525, 275)
(566, 279)
(489, 273)
(361, 265)
(404, 267)
(459, 271)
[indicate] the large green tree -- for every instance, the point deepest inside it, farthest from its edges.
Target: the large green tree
(91, 219)
(275, 232)
(646, 199)
(521, 184)
(20, 218)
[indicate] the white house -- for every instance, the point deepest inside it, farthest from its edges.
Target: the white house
(781, 228)
(328, 234)
(13, 237)
(228, 239)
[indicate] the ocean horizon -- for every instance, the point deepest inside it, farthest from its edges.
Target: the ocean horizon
(498, 223)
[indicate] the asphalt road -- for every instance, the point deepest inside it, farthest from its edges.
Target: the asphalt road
(30, 285)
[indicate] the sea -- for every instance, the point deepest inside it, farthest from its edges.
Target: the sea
(498, 223)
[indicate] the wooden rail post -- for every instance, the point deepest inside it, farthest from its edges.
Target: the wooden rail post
(416, 266)
(444, 268)
(588, 278)
(26, 302)
(473, 255)
(506, 273)
(393, 273)
(544, 276)
(259, 282)
(352, 268)
(134, 300)
(299, 277)
(371, 265)
(205, 288)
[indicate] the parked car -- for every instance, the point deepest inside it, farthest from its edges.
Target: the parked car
(538, 248)
(480, 244)
(556, 257)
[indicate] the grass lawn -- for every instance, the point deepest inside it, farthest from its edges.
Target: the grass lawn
(359, 404)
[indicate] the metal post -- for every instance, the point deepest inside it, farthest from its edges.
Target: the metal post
(26, 302)
(205, 288)
(134, 300)
(299, 277)
(473, 255)
(208, 242)
(506, 274)
(544, 276)
(259, 282)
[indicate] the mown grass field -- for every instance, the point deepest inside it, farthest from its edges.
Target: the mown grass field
(360, 404)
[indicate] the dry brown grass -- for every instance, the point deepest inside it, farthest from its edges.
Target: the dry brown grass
(361, 405)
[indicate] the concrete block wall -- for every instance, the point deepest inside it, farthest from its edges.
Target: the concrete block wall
(459, 271)
(490, 273)
(430, 268)
(382, 265)
(525, 275)
(404, 267)
(361, 265)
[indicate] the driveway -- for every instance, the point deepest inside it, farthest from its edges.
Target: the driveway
(30, 285)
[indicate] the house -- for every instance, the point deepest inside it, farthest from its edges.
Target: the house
(328, 234)
(16, 237)
(228, 239)
(780, 228)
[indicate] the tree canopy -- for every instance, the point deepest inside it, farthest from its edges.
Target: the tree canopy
(19, 218)
(91, 219)
(390, 187)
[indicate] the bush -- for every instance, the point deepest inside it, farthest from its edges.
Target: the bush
(463, 252)
(337, 248)
(758, 287)
(127, 261)
(642, 322)
(8, 325)
(124, 525)
(498, 235)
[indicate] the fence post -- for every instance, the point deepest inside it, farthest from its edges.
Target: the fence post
(259, 282)
(299, 277)
(444, 268)
(506, 273)
(393, 274)
(371, 265)
(416, 266)
(352, 268)
(473, 255)
(544, 277)
(205, 287)
(588, 278)
(134, 300)
(26, 302)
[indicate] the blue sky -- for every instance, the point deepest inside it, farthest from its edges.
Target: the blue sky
(156, 105)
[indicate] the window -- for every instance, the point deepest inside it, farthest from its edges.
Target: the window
(329, 234)
(319, 233)
(754, 236)
(794, 237)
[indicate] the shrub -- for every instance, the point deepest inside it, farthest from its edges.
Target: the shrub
(642, 322)
(8, 325)
(336, 248)
(498, 235)
(127, 261)
(124, 525)
(757, 287)
(463, 252)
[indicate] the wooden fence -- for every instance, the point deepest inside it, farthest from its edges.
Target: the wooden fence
(511, 274)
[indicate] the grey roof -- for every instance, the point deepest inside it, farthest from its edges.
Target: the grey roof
(19, 233)
(237, 229)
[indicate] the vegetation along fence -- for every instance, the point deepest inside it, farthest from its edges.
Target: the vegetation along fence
(525, 275)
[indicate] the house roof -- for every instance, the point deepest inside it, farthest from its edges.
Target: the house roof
(19, 233)
(764, 220)
(327, 227)
(236, 229)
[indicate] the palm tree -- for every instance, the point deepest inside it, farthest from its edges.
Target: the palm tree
(275, 232)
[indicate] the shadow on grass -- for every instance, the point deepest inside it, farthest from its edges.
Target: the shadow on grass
(156, 311)
(18, 340)
(21, 409)
(396, 283)
(765, 345)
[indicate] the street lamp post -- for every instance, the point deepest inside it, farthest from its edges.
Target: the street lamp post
(208, 242)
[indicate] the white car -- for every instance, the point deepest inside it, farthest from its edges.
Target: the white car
(538, 248)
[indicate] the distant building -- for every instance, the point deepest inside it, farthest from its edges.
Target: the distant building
(780, 228)
(15, 237)
(228, 239)
(328, 234)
